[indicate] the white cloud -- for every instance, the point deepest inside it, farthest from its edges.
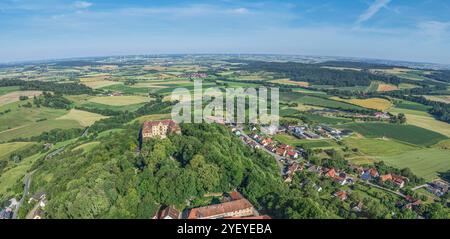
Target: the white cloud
(372, 10)
(241, 10)
(82, 4)
(434, 28)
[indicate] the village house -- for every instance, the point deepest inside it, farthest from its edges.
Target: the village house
(271, 148)
(115, 94)
(267, 141)
(370, 174)
(6, 213)
(291, 172)
(438, 188)
(331, 173)
(159, 129)
(38, 197)
(397, 180)
(38, 214)
(357, 207)
(413, 205)
(382, 115)
(342, 195)
(169, 213)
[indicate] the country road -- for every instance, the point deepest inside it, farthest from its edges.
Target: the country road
(26, 187)
(50, 155)
(27, 182)
(420, 186)
(383, 188)
(277, 157)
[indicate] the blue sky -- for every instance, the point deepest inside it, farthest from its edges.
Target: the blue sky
(414, 30)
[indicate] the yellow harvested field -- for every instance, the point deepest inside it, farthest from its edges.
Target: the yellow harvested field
(119, 100)
(407, 86)
(154, 68)
(15, 96)
(423, 120)
(290, 82)
(84, 118)
(386, 87)
(109, 67)
(372, 103)
(98, 81)
(302, 107)
(439, 98)
(430, 123)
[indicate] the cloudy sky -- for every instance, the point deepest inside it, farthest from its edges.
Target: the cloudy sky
(414, 30)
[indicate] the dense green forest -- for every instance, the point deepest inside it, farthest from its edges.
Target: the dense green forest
(63, 88)
(443, 76)
(317, 75)
(355, 64)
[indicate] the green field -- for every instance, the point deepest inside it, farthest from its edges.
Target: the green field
(373, 87)
(119, 100)
(12, 176)
(130, 108)
(408, 105)
(325, 120)
(317, 101)
(424, 120)
(87, 147)
(426, 163)
(310, 144)
(84, 118)
(8, 148)
(22, 116)
(36, 129)
(127, 89)
(8, 89)
(379, 147)
(406, 133)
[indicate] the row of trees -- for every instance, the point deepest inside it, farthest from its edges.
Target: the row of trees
(50, 100)
(63, 88)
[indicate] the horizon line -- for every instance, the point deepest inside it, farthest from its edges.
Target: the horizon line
(347, 58)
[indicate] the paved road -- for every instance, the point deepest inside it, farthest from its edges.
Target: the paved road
(276, 156)
(58, 151)
(419, 187)
(27, 182)
(85, 132)
(383, 188)
(26, 187)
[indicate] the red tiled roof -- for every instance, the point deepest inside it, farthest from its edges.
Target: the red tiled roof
(373, 172)
(331, 173)
(341, 195)
(219, 209)
(171, 212)
(235, 195)
(387, 177)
